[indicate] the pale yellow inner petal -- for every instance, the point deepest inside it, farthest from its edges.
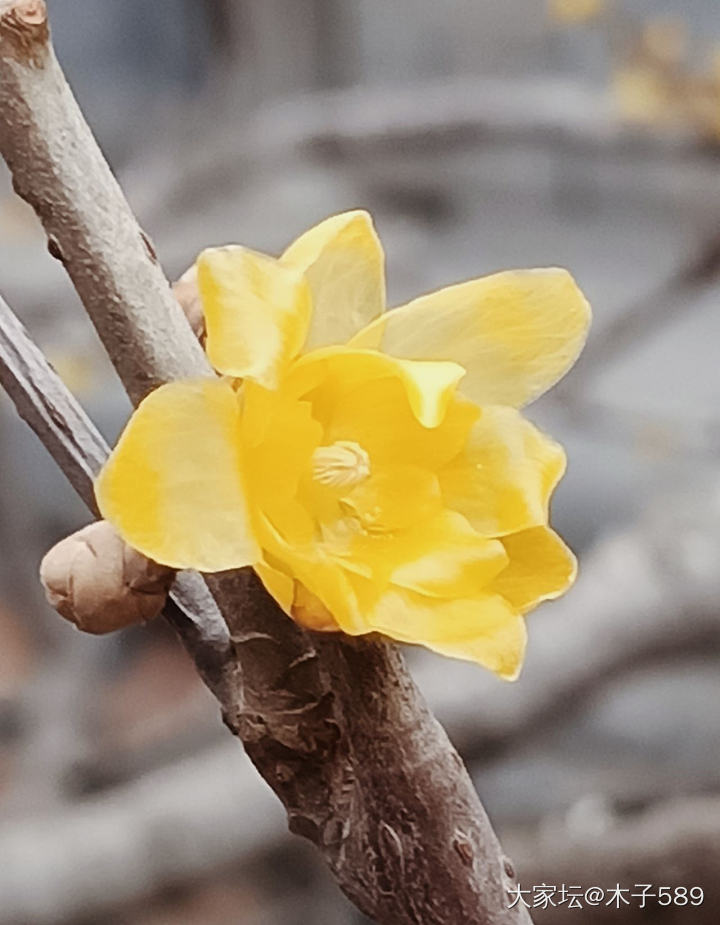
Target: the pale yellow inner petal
(440, 556)
(503, 479)
(257, 313)
(429, 387)
(343, 261)
(515, 333)
(541, 567)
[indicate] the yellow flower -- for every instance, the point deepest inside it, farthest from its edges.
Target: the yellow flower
(653, 86)
(371, 489)
(576, 11)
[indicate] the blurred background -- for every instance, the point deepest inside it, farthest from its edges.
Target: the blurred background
(482, 135)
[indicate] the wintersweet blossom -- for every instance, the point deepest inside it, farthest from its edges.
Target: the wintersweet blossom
(372, 467)
(576, 11)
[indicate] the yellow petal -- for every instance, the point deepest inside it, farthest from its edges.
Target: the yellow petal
(541, 568)
(319, 576)
(377, 416)
(275, 464)
(482, 629)
(516, 333)
(173, 486)
(309, 611)
(295, 599)
(429, 386)
(393, 498)
(441, 557)
(503, 479)
(343, 261)
(278, 585)
(447, 558)
(257, 312)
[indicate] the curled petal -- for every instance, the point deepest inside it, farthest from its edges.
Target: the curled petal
(541, 567)
(503, 479)
(173, 487)
(441, 557)
(279, 586)
(377, 415)
(323, 594)
(483, 629)
(343, 262)
(257, 312)
(516, 333)
(429, 386)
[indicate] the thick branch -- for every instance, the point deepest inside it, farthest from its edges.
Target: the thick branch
(407, 838)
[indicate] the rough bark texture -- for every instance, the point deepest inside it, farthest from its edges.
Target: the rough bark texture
(336, 727)
(340, 732)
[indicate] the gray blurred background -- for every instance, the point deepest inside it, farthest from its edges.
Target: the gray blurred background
(482, 136)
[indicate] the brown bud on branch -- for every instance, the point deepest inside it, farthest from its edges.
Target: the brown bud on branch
(99, 583)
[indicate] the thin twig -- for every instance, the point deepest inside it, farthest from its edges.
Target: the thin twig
(43, 402)
(336, 726)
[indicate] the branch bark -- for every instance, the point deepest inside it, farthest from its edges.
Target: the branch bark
(335, 726)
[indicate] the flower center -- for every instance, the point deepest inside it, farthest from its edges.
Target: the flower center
(340, 465)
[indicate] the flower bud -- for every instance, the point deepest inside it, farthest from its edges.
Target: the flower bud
(99, 583)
